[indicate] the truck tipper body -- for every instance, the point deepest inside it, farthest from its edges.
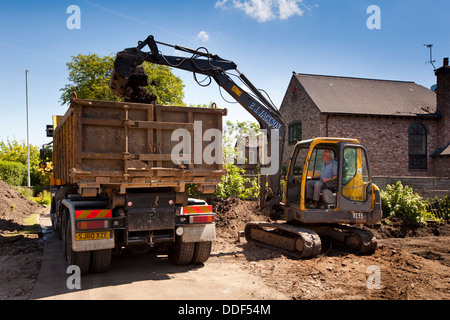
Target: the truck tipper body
(119, 176)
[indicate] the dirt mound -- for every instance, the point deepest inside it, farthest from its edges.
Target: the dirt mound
(14, 208)
(402, 227)
(232, 214)
(20, 254)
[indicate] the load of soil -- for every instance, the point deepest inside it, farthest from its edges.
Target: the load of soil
(136, 89)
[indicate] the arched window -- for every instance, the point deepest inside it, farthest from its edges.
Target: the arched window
(417, 146)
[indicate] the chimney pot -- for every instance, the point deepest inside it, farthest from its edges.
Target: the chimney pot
(445, 62)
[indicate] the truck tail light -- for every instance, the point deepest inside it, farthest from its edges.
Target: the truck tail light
(92, 225)
(201, 219)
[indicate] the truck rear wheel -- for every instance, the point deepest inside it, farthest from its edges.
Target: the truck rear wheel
(202, 252)
(101, 260)
(181, 253)
(80, 259)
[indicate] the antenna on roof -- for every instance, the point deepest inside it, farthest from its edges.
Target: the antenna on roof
(431, 56)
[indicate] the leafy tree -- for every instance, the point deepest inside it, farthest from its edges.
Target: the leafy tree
(89, 77)
(15, 151)
(234, 132)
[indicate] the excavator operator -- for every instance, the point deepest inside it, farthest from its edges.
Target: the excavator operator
(329, 173)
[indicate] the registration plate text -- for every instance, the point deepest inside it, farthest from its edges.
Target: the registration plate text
(92, 235)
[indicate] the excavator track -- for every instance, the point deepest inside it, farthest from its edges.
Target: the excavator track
(360, 240)
(356, 239)
(295, 241)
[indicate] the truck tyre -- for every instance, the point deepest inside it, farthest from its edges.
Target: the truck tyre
(181, 253)
(202, 252)
(101, 260)
(80, 259)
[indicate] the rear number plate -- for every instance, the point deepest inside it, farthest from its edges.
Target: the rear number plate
(93, 235)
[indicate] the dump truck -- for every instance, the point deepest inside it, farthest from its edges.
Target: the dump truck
(348, 197)
(118, 184)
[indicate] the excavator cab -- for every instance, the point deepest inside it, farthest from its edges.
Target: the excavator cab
(349, 198)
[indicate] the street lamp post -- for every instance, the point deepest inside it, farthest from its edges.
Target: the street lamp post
(28, 131)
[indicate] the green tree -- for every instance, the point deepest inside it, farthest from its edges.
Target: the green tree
(89, 77)
(234, 132)
(15, 151)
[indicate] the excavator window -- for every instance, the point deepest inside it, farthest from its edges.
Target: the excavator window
(355, 174)
(316, 163)
(295, 175)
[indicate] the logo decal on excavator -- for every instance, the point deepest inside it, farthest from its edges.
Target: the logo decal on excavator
(266, 117)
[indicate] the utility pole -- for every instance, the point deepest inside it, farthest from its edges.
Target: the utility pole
(28, 131)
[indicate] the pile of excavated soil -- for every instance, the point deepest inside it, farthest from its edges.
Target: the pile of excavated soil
(20, 256)
(14, 208)
(232, 214)
(401, 227)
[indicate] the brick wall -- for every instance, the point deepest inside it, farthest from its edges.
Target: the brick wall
(298, 106)
(386, 139)
(443, 102)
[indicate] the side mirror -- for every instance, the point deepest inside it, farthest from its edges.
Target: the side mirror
(43, 154)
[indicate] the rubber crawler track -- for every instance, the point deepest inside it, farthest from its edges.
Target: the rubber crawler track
(311, 247)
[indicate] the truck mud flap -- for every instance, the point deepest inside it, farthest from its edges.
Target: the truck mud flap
(150, 211)
(198, 233)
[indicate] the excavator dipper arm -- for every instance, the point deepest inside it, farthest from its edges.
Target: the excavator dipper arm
(204, 63)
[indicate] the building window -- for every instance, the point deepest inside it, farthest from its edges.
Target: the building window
(417, 146)
(295, 132)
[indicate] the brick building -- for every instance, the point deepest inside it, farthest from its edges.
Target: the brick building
(405, 127)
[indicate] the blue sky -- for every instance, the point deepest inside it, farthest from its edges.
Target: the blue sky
(267, 39)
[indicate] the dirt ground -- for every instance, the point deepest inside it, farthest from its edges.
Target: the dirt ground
(20, 252)
(413, 261)
(415, 266)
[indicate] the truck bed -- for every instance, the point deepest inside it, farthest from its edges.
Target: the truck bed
(119, 145)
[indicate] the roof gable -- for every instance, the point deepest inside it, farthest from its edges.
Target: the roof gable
(343, 95)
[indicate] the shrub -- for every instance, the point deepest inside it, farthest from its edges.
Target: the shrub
(402, 201)
(43, 198)
(233, 185)
(25, 191)
(252, 192)
(13, 173)
(441, 207)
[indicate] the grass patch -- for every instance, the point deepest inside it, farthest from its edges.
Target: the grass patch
(30, 229)
(31, 225)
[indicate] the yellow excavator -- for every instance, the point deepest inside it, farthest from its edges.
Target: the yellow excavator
(349, 198)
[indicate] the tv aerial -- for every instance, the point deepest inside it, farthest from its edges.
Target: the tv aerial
(431, 56)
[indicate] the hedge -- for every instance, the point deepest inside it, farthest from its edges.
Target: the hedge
(13, 173)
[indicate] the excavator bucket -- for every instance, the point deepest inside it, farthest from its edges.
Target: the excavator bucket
(123, 67)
